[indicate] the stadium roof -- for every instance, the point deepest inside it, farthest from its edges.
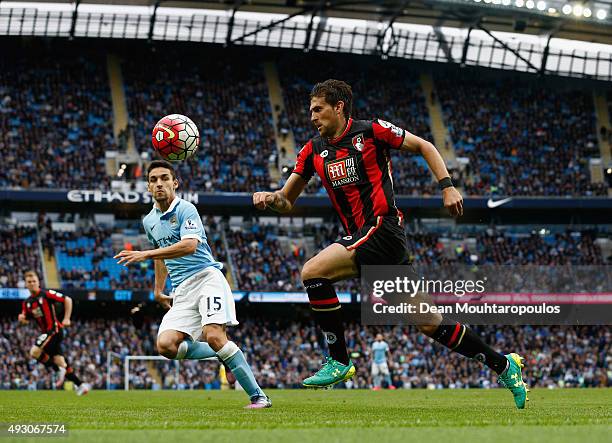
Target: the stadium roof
(589, 21)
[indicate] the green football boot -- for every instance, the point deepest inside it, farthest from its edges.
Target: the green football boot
(512, 378)
(331, 373)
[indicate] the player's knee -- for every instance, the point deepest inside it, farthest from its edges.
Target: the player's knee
(35, 352)
(215, 336)
(313, 269)
(167, 347)
(428, 330)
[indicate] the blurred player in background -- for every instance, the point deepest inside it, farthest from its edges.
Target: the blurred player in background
(203, 302)
(380, 368)
(353, 160)
(47, 349)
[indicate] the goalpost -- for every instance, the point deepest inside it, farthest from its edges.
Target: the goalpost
(110, 356)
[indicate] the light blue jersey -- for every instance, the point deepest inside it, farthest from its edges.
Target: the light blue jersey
(180, 221)
(379, 349)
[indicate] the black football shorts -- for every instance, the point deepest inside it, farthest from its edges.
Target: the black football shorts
(51, 343)
(381, 242)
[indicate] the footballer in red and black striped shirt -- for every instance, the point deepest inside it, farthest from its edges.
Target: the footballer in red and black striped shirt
(353, 160)
(47, 349)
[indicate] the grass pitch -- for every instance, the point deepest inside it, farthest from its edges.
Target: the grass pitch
(321, 416)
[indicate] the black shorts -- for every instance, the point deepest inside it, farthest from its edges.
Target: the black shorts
(382, 242)
(51, 343)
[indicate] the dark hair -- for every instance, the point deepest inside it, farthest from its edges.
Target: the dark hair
(334, 91)
(161, 164)
(30, 272)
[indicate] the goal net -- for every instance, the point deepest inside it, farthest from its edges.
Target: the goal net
(157, 372)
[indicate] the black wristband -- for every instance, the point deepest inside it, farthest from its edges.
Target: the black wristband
(446, 182)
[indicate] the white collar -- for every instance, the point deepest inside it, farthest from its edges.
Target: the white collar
(170, 208)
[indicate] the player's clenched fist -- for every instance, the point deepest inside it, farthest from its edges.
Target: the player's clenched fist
(453, 201)
(263, 200)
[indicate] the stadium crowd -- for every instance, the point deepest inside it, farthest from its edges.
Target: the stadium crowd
(393, 94)
(230, 106)
(19, 251)
(283, 354)
(531, 140)
(85, 261)
(260, 261)
(55, 121)
(266, 257)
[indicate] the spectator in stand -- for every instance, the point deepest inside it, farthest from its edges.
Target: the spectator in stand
(282, 354)
(55, 121)
(18, 254)
(532, 139)
(229, 104)
(397, 97)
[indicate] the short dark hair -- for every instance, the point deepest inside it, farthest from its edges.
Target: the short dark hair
(30, 272)
(161, 164)
(334, 91)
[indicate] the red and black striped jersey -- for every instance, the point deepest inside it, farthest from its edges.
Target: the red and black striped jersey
(41, 308)
(355, 169)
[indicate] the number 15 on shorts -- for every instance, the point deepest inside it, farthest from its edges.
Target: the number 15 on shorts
(213, 305)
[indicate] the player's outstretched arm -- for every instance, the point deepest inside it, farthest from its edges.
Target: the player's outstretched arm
(453, 201)
(186, 246)
(281, 201)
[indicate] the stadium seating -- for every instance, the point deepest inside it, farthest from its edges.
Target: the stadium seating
(55, 121)
(229, 104)
(282, 355)
(19, 253)
(85, 261)
(521, 137)
(262, 262)
(380, 90)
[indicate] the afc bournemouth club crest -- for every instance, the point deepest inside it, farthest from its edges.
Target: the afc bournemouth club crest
(358, 142)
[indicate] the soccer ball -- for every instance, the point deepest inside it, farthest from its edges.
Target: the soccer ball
(175, 137)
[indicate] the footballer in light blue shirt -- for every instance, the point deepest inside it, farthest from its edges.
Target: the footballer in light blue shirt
(179, 222)
(379, 363)
(203, 301)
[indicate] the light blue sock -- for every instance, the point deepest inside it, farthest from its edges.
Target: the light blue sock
(388, 380)
(194, 350)
(233, 357)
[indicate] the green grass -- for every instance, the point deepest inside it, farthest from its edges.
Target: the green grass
(321, 416)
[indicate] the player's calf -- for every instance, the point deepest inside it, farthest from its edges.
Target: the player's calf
(233, 358)
(459, 338)
(44, 358)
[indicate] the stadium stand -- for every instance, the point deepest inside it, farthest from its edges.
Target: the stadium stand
(269, 257)
(19, 252)
(521, 137)
(85, 257)
(282, 355)
(261, 263)
(85, 261)
(391, 93)
(229, 105)
(55, 121)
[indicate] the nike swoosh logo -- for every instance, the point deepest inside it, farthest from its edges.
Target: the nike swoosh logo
(494, 204)
(168, 130)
